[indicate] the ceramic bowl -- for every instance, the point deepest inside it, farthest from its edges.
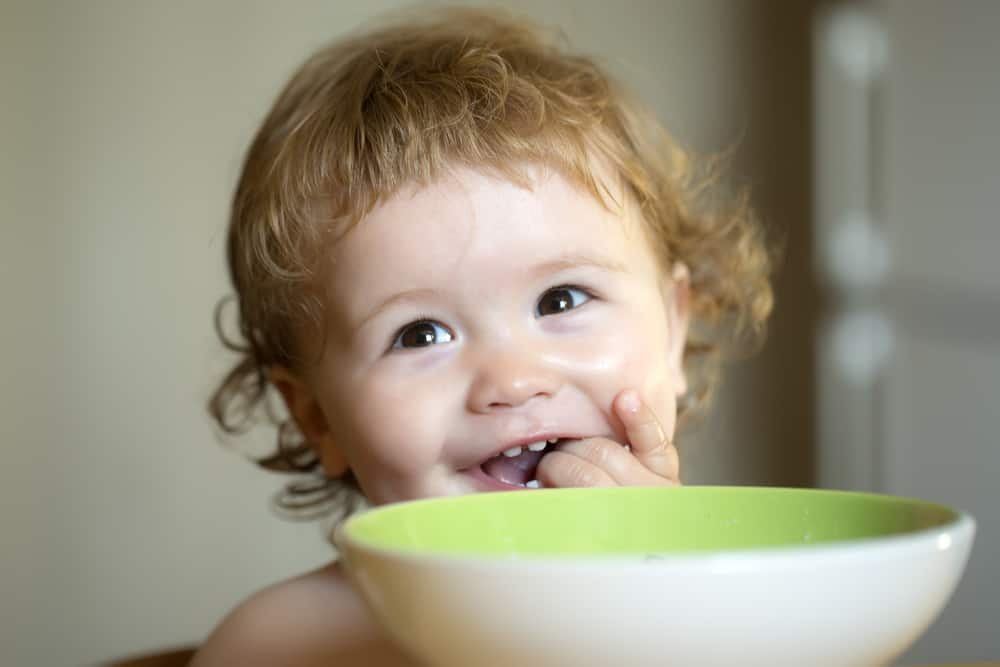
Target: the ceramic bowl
(657, 576)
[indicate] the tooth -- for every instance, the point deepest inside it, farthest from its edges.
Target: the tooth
(512, 452)
(553, 441)
(533, 484)
(537, 446)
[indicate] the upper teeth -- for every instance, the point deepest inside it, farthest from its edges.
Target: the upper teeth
(534, 446)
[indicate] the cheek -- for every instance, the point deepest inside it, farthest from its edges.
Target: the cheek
(653, 376)
(632, 355)
(394, 426)
(647, 368)
(404, 418)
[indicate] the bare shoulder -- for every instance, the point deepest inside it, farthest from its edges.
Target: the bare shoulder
(314, 619)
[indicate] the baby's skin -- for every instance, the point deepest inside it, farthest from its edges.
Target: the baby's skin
(469, 319)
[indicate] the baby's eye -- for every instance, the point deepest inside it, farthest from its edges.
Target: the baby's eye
(421, 334)
(560, 299)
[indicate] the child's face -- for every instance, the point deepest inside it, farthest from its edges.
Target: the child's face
(475, 315)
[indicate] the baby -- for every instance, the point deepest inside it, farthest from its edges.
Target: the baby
(468, 262)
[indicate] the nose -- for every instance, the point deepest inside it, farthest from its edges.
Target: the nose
(510, 378)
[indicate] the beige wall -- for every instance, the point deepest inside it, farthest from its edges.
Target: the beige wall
(126, 525)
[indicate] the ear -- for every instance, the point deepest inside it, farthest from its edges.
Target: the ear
(677, 304)
(303, 406)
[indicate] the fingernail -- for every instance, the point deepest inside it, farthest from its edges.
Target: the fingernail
(630, 400)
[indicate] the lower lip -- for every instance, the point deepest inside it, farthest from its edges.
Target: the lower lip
(484, 482)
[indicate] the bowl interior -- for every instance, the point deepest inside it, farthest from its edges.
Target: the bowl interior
(618, 521)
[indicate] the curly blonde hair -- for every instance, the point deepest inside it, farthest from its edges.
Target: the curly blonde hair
(402, 104)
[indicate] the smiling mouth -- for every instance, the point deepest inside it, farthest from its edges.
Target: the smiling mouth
(518, 466)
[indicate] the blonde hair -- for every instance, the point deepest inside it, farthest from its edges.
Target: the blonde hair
(402, 104)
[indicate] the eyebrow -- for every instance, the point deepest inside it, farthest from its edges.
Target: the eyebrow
(415, 294)
(577, 261)
(563, 263)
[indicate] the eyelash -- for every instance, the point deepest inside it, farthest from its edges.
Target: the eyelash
(588, 297)
(397, 338)
(396, 343)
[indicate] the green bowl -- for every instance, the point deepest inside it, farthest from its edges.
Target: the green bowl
(637, 576)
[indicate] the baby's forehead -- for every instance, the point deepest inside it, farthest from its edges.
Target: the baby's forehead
(467, 199)
(503, 187)
(477, 229)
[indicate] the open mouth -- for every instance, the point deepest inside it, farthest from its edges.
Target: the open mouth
(518, 466)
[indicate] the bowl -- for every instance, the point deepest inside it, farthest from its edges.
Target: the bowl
(657, 576)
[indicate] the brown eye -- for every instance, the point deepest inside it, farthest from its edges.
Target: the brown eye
(422, 334)
(560, 299)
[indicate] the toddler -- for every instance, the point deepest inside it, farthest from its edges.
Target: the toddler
(468, 262)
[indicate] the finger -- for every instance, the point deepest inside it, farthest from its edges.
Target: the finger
(649, 442)
(613, 459)
(563, 470)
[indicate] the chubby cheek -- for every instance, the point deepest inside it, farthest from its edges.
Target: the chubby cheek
(630, 357)
(396, 429)
(651, 376)
(660, 394)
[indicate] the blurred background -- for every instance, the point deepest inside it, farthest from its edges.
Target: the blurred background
(868, 132)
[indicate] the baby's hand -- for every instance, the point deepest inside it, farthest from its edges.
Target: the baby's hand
(650, 460)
